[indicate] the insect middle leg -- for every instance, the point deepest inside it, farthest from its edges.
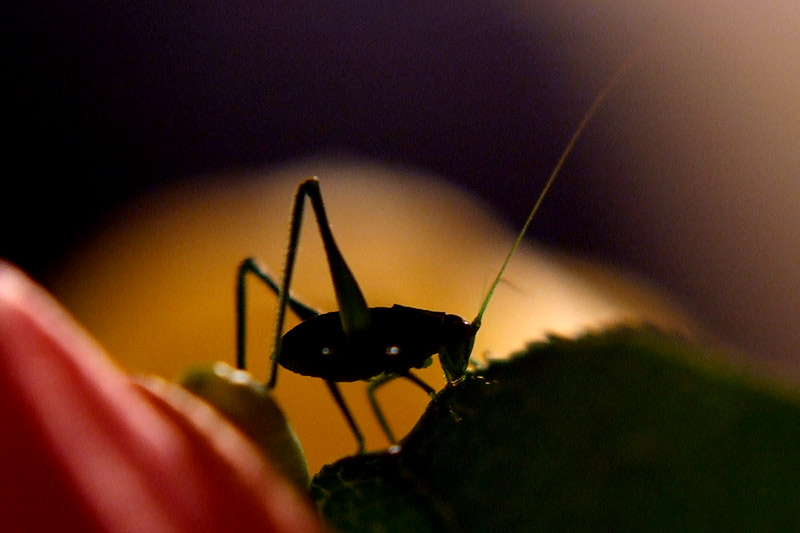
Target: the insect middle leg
(382, 380)
(250, 266)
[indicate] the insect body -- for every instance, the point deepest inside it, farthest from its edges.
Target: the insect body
(356, 343)
(399, 339)
(374, 344)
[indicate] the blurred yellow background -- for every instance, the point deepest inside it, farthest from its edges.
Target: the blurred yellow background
(156, 287)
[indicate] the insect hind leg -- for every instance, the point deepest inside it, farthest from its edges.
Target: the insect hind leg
(382, 380)
(250, 266)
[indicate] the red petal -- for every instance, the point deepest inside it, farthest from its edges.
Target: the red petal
(85, 447)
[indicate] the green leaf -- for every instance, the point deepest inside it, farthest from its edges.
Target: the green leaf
(621, 430)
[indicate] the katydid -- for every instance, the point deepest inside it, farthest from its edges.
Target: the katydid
(374, 344)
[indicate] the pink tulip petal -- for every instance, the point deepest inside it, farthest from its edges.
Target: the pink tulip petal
(85, 447)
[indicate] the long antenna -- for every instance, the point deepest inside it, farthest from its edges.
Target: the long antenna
(596, 103)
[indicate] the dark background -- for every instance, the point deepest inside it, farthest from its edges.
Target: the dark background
(109, 99)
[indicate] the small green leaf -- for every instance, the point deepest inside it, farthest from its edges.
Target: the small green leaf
(621, 430)
(249, 406)
(370, 493)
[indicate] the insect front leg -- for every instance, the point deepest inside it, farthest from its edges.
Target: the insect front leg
(250, 266)
(382, 380)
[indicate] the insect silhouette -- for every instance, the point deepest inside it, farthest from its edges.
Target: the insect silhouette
(374, 344)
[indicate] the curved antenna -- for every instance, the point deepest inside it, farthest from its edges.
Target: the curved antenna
(596, 103)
